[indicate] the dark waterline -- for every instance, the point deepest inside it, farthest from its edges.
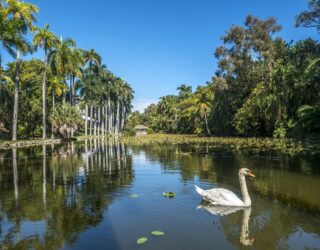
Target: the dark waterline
(105, 195)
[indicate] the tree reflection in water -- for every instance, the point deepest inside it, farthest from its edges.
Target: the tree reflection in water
(50, 194)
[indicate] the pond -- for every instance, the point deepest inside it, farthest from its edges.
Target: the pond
(106, 195)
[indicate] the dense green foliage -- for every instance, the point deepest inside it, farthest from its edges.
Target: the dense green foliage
(65, 118)
(32, 91)
(264, 86)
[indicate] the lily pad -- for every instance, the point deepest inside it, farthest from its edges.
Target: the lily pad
(169, 194)
(157, 233)
(132, 196)
(142, 240)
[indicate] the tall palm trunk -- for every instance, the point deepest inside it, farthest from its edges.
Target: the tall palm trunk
(109, 115)
(117, 118)
(95, 122)
(112, 123)
(207, 126)
(86, 119)
(102, 121)
(106, 120)
(53, 106)
(98, 121)
(16, 99)
(72, 89)
(91, 119)
(44, 86)
(123, 117)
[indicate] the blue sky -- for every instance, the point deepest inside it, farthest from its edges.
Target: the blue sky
(157, 45)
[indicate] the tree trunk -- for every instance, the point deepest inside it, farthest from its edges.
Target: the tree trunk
(102, 120)
(44, 87)
(72, 89)
(95, 122)
(86, 119)
(109, 116)
(123, 117)
(98, 121)
(117, 118)
(16, 99)
(53, 106)
(106, 120)
(112, 125)
(207, 126)
(91, 117)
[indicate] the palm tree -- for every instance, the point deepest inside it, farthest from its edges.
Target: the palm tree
(204, 99)
(77, 62)
(90, 77)
(57, 86)
(46, 39)
(184, 91)
(8, 34)
(6, 84)
(309, 118)
(91, 57)
(23, 16)
(85, 86)
(90, 86)
(122, 95)
(60, 59)
(126, 103)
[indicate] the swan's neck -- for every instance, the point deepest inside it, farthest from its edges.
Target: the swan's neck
(244, 191)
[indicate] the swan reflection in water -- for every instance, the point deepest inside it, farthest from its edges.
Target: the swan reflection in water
(224, 211)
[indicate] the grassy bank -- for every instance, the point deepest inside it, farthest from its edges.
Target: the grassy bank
(26, 143)
(234, 143)
(288, 146)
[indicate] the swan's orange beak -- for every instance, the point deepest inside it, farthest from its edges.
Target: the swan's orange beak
(251, 174)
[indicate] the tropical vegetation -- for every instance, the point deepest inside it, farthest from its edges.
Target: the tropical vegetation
(68, 91)
(264, 86)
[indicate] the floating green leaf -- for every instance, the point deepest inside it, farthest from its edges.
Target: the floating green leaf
(168, 194)
(132, 196)
(157, 233)
(142, 240)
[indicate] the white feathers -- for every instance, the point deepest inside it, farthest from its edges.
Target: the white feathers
(199, 190)
(220, 196)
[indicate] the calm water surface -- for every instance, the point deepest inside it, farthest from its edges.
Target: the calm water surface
(103, 195)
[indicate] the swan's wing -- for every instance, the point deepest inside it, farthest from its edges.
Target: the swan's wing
(223, 197)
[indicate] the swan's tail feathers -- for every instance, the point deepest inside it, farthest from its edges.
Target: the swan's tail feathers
(199, 190)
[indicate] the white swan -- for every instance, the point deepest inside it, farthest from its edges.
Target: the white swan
(224, 197)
